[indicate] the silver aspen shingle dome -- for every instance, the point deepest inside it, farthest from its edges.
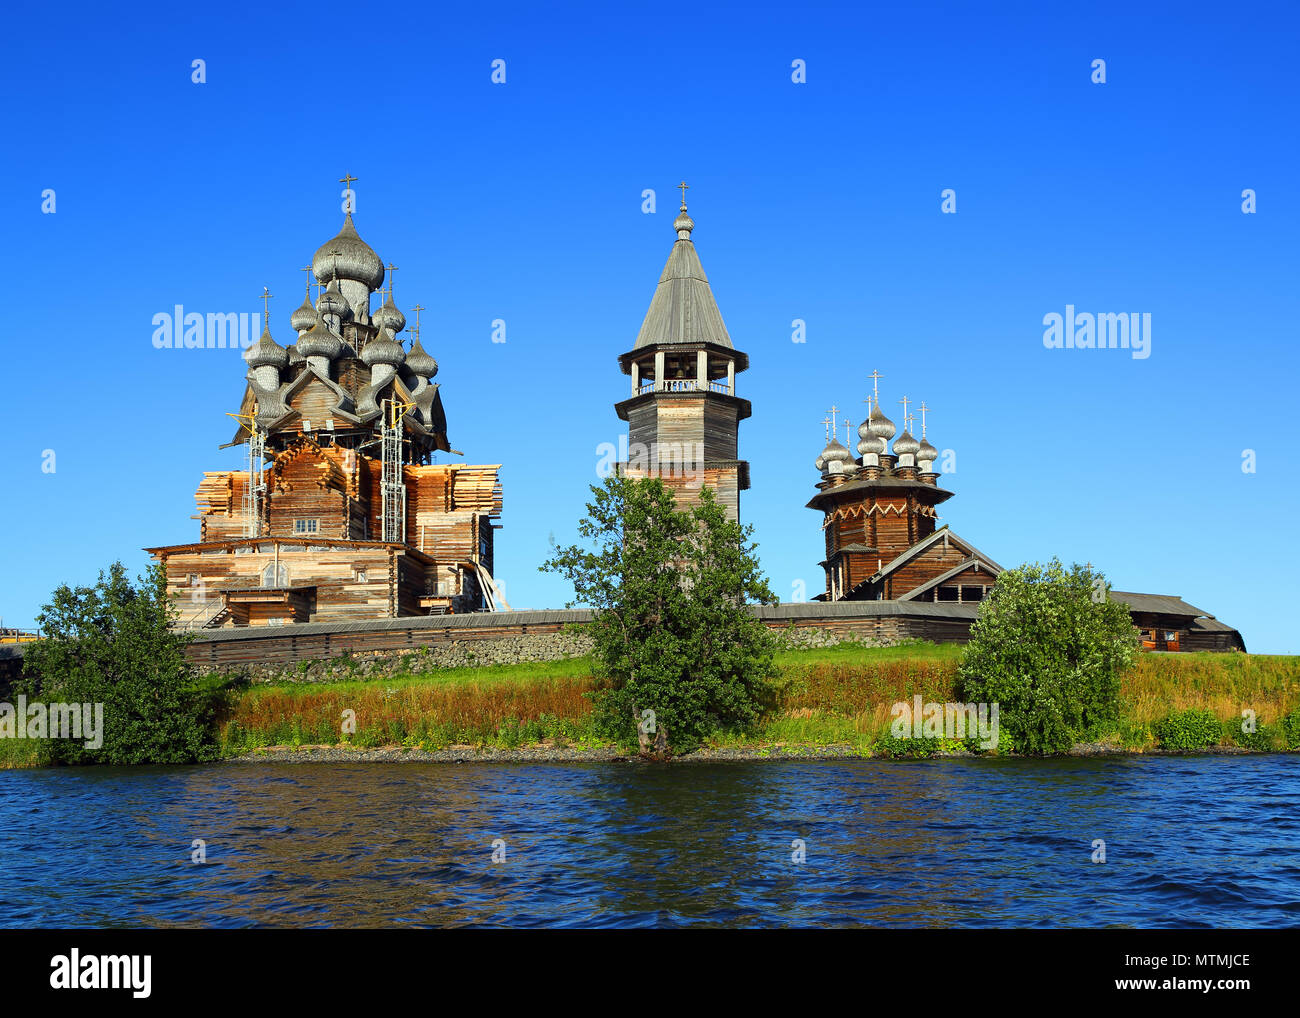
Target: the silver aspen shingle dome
(332, 302)
(834, 452)
(383, 349)
(926, 453)
(880, 424)
(304, 318)
(320, 342)
(355, 259)
(266, 351)
(420, 362)
(870, 442)
(389, 316)
(906, 444)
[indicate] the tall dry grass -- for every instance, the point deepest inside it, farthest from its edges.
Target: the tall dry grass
(828, 696)
(1225, 684)
(435, 714)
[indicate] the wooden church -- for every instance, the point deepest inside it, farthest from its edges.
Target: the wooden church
(883, 541)
(341, 513)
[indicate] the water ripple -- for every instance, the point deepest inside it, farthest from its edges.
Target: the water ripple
(1190, 842)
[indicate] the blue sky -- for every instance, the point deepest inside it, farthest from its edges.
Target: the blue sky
(818, 201)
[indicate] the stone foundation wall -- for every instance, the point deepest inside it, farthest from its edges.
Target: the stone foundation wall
(382, 664)
(505, 649)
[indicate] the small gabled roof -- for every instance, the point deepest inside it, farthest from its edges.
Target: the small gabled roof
(920, 546)
(961, 567)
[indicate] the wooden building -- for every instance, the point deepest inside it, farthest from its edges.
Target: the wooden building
(883, 542)
(683, 413)
(341, 514)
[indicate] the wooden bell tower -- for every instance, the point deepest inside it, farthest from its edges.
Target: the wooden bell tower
(683, 412)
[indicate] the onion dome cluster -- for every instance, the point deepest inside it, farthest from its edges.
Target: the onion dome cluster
(873, 448)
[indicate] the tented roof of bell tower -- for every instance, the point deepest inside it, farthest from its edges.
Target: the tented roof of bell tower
(683, 309)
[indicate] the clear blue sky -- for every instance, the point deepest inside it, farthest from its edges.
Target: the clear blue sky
(818, 201)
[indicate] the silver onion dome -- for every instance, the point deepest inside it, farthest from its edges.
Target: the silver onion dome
(320, 342)
(420, 362)
(835, 451)
(266, 351)
(926, 453)
(332, 302)
(383, 349)
(352, 256)
(304, 318)
(683, 224)
(906, 444)
(389, 316)
(870, 443)
(880, 424)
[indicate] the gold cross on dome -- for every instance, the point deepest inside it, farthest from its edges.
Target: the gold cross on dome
(266, 306)
(682, 187)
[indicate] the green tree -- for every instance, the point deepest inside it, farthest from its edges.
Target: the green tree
(1049, 646)
(112, 644)
(670, 588)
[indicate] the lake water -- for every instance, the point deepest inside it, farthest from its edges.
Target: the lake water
(1190, 841)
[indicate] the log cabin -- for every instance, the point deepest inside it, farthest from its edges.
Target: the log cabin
(341, 514)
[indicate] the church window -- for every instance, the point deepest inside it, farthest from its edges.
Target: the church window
(273, 577)
(308, 526)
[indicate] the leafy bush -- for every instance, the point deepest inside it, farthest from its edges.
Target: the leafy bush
(672, 631)
(111, 644)
(1049, 646)
(1189, 730)
(896, 747)
(1264, 739)
(1291, 729)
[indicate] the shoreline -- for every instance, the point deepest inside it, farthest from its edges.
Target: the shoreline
(742, 754)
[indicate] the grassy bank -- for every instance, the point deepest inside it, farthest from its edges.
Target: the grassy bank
(839, 696)
(19, 753)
